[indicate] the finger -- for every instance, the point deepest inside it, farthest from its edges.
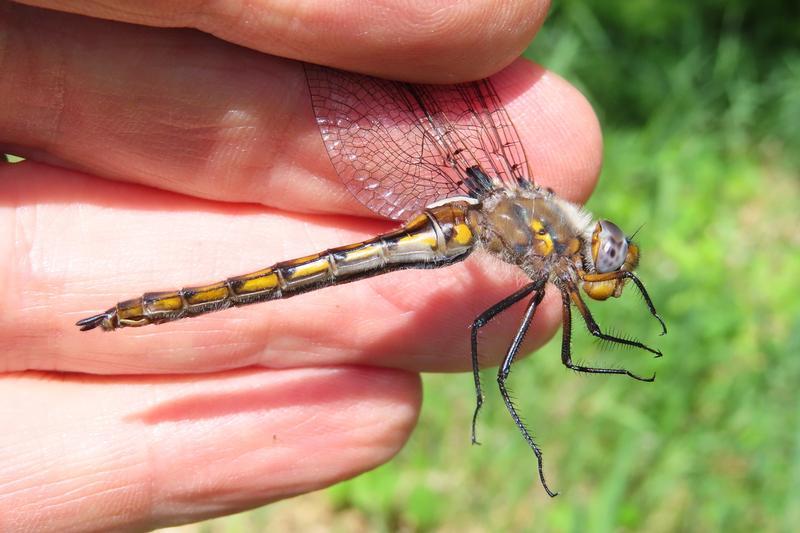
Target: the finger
(84, 454)
(184, 112)
(76, 245)
(430, 41)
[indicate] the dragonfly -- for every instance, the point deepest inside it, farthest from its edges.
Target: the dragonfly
(447, 163)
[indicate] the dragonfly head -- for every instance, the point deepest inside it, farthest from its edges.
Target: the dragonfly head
(612, 252)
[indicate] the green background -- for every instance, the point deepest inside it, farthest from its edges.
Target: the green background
(700, 106)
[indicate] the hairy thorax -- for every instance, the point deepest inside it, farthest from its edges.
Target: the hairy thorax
(535, 230)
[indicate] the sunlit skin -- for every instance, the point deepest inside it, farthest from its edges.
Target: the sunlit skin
(173, 131)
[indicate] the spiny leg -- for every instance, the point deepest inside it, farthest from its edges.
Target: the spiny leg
(594, 329)
(570, 294)
(505, 370)
(483, 319)
(639, 285)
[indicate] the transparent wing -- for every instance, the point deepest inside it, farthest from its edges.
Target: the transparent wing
(399, 147)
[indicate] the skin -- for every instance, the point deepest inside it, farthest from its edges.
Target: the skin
(163, 157)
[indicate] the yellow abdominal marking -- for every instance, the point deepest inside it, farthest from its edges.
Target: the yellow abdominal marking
(208, 293)
(421, 238)
(417, 222)
(363, 253)
(170, 302)
(257, 281)
(309, 269)
(125, 312)
(463, 234)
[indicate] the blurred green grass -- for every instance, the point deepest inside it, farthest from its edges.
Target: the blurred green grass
(700, 105)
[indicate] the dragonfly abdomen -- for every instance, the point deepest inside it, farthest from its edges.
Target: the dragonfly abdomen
(437, 237)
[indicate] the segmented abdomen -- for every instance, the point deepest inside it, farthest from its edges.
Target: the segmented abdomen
(439, 236)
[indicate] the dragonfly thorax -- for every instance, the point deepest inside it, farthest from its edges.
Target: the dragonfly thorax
(535, 230)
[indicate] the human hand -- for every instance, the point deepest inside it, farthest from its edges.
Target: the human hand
(165, 157)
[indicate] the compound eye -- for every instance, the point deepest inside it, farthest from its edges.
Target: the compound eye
(609, 246)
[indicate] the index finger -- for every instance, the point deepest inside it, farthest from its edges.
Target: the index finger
(429, 40)
(184, 112)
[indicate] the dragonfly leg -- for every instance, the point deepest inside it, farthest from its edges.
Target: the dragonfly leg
(502, 376)
(570, 295)
(624, 274)
(639, 285)
(483, 319)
